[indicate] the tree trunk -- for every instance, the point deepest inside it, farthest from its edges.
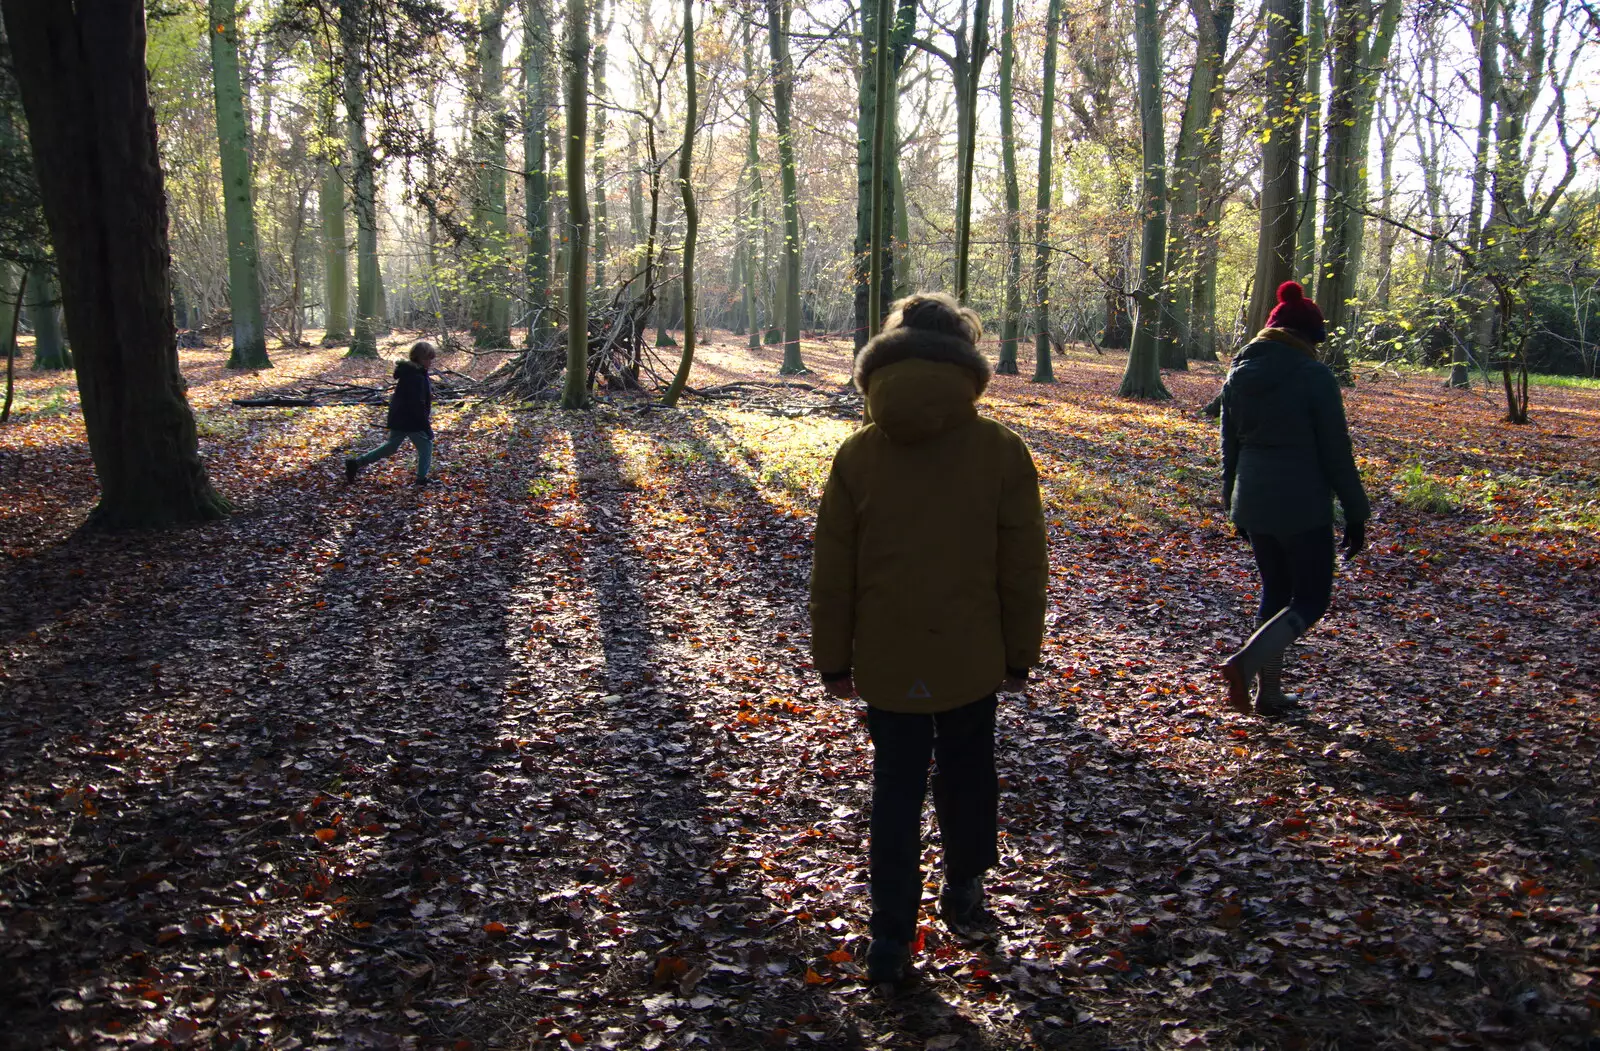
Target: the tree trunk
(1011, 311)
(602, 224)
(1142, 377)
(968, 141)
(752, 181)
(1358, 63)
(1118, 333)
(875, 304)
(783, 97)
(1211, 35)
(1388, 134)
(491, 314)
(1305, 262)
(1280, 157)
(244, 268)
(49, 351)
(335, 248)
(575, 394)
(691, 211)
(352, 35)
(1043, 368)
(536, 177)
(83, 84)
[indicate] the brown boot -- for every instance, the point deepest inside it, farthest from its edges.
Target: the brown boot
(1268, 643)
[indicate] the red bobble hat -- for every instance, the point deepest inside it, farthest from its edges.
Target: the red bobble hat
(1294, 311)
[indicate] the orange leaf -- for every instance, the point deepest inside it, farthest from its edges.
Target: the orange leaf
(812, 977)
(494, 927)
(327, 835)
(839, 956)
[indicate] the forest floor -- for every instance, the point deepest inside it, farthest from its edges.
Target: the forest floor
(534, 757)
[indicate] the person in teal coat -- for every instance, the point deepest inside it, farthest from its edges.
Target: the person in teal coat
(1285, 455)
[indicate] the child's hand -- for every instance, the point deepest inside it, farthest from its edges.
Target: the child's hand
(844, 688)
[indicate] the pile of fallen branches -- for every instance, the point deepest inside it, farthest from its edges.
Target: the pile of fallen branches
(321, 395)
(788, 399)
(617, 354)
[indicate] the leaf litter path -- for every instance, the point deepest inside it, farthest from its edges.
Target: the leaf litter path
(534, 757)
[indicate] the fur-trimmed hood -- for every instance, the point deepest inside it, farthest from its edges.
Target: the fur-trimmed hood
(902, 344)
(920, 384)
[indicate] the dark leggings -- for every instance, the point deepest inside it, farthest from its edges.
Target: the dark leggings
(966, 795)
(1296, 571)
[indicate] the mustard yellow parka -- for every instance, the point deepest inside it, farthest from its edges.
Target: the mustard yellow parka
(930, 564)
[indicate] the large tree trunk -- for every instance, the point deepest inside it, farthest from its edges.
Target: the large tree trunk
(1011, 315)
(575, 393)
(783, 97)
(1358, 63)
(491, 315)
(536, 177)
(335, 248)
(1280, 158)
(1211, 37)
(971, 71)
(1305, 261)
(244, 268)
(1486, 32)
(1043, 368)
(369, 311)
(93, 133)
(867, 102)
(1142, 377)
(691, 210)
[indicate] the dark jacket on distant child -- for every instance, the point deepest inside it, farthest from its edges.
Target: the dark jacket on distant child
(1285, 444)
(412, 399)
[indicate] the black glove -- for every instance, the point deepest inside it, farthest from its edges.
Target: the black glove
(1355, 539)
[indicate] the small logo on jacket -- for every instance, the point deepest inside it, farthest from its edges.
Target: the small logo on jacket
(919, 691)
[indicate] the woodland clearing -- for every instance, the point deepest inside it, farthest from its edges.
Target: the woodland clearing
(534, 757)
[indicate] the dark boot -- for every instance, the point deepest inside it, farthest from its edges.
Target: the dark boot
(961, 907)
(1268, 643)
(888, 962)
(1270, 698)
(350, 469)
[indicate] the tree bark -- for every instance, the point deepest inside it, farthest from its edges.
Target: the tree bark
(783, 97)
(1360, 54)
(1305, 261)
(536, 177)
(1280, 156)
(49, 350)
(353, 16)
(967, 120)
(602, 222)
(244, 267)
(83, 84)
(752, 181)
(491, 320)
(335, 247)
(691, 210)
(1211, 36)
(575, 393)
(1142, 377)
(875, 304)
(1011, 315)
(1043, 368)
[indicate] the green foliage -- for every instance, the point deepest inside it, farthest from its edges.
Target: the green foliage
(1421, 491)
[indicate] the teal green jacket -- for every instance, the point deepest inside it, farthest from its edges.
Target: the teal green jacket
(1285, 444)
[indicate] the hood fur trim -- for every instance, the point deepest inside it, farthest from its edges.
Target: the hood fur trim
(904, 344)
(1289, 338)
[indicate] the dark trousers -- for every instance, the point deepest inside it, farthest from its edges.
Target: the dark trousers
(1296, 571)
(966, 796)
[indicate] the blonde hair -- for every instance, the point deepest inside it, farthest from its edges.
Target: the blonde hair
(423, 349)
(935, 312)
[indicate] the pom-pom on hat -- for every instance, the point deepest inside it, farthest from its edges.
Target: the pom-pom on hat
(1297, 313)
